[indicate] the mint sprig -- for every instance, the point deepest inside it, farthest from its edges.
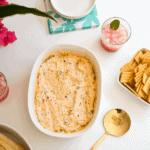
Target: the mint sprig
(118, 110)
(114, 25)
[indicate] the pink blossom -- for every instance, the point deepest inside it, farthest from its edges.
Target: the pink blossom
(2, 42)
(10, 38)
(3, 2)
(3, 33)
(6, 36)
(1, 25)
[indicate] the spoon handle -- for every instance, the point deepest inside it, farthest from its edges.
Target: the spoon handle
(99, 141)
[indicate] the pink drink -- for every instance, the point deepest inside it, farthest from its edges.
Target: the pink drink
(113, 40)
(4, 89)
(113, 37)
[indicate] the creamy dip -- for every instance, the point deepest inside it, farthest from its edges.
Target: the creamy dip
(65, 92)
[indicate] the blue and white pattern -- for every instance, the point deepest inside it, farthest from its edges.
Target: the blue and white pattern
(66, 25)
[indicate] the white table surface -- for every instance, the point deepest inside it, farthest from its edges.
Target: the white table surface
(17, 59)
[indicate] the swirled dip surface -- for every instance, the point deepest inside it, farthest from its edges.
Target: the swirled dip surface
(65, 92)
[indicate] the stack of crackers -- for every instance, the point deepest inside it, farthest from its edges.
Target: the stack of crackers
(135, 75)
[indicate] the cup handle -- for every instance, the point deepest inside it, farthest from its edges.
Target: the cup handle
(99, 141)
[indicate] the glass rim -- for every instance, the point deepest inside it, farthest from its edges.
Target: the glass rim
(6, 84)
(121, 19)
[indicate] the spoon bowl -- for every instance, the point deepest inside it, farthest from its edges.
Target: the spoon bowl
(116, 122)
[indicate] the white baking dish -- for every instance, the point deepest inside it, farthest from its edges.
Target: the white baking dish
(141, 99)
(74, 49)
(14, 135)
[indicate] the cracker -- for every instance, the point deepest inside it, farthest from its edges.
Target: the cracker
(137, 78)
(144, 56)
(145, 50)
(137, 57)
(124, 80)
(146, 61)
(139, 66)
(138, 87)
(125, 76)
(136, 70)
(147, 71)
(126, 68)
(138, 82)
(132, 82)
(133, 59)
(139, 73)
(131, 89)
(134, 65)
(148, 98)
(147, 86)
(141, 92)
(145, 77)
(142, 67)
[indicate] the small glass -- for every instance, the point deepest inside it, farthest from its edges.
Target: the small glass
(113, 40)
(4, 89)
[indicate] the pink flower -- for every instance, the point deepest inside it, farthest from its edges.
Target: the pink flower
(2, 42)
(10, 38)
(1, 25)
(3, 33)
(6, 36)
(3, 2)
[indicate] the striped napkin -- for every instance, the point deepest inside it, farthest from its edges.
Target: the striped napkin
(66, 25)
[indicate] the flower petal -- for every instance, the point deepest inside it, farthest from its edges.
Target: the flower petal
(1, 25)
(2, 42)
(3, 2)
(10, 38)
(3, 32)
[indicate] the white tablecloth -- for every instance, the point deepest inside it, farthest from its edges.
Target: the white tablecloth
(16, 62)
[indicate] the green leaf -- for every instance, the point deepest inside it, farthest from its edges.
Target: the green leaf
(115, 24)
(118, 110)
(13, 9)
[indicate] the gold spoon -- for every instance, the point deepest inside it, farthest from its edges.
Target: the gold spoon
(116, 122)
